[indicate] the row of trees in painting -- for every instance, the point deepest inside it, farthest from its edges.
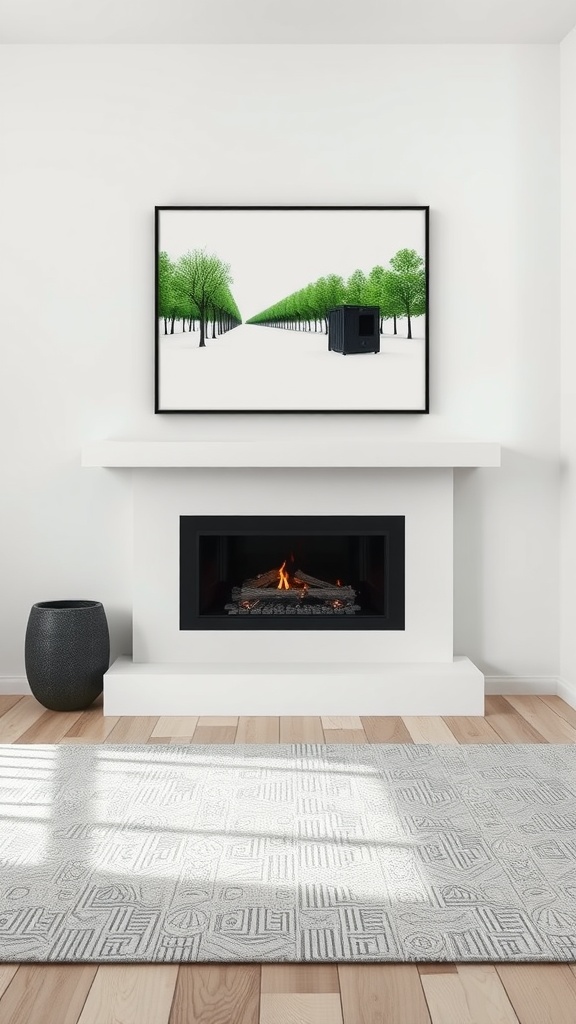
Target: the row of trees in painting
(196, 290)
(399, 291)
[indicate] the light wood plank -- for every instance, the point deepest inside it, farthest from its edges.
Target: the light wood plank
(92, 726)
(378, 993)
(389, 729)
(46, 994)
(50, 727)
(560, 707)
(474, 995)
(301, 729)
(258, 729)
(214, 734)
(215, 994)
(19, 718)
(341, 722)
(75, 741)
(446, 999)
(173, 727)
(486, 995)
(540, 993)
(179, 741)
(132, 729)
(345, 736)
(218, 720)
(425, 729)
(123, 994)
(300, 1008)
(303, 978)
(472, 729)
(7, 972)
(506, 721)
(441, 968)
(8, 700)
(550, 725)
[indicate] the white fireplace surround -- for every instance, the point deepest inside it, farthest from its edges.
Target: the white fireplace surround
(370, 672)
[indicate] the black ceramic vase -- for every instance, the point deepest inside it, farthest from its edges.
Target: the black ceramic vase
(67, 652)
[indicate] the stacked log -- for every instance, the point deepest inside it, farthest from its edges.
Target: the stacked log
(263, 591)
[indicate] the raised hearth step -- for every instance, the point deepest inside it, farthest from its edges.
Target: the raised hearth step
(297, 688)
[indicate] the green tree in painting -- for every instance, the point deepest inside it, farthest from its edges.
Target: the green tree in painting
(165, 289)
(172, 303)
(199, 277)
(408, 285)
(381, 291)
(374, 290)
(335, 293)
(197, 287)
(356, 289)
(327, 293)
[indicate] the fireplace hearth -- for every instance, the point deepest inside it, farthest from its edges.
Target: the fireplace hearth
(292, 572)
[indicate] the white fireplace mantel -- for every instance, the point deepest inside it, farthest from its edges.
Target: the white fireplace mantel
(328, 454)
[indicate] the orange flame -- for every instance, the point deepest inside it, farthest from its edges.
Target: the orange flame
(284, 582)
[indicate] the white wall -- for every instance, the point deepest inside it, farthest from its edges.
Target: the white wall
(93, 137)
(568, 363)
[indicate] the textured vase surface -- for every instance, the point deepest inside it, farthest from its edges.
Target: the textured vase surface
(67, 652)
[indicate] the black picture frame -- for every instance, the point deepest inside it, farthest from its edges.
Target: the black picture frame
(423, 409)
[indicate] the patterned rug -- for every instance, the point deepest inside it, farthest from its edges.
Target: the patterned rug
(287, 853)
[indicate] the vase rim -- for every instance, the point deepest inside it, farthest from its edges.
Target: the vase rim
(67, 605)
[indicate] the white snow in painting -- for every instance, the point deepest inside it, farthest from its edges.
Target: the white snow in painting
(272, 254)
(269, 368)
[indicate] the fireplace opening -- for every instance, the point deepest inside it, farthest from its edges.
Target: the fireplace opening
(295, 572)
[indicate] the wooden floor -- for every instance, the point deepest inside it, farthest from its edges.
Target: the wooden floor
(290, 994)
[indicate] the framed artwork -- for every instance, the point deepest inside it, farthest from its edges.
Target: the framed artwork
(291, 309)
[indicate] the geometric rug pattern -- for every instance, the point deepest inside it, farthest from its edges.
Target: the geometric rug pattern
(313, 853)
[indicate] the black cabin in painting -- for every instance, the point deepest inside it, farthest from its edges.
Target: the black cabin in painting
(354, 329)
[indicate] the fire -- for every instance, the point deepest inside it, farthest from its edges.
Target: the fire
(284, 582)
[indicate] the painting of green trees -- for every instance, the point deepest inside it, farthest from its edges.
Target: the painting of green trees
(250, 297)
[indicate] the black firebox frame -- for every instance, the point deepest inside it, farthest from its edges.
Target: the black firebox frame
(390, 528)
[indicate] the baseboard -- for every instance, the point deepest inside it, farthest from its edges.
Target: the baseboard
(501, 685)
(493, 685)
(567, 691)
(13, 684)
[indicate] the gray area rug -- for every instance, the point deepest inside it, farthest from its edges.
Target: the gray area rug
(287, 853)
